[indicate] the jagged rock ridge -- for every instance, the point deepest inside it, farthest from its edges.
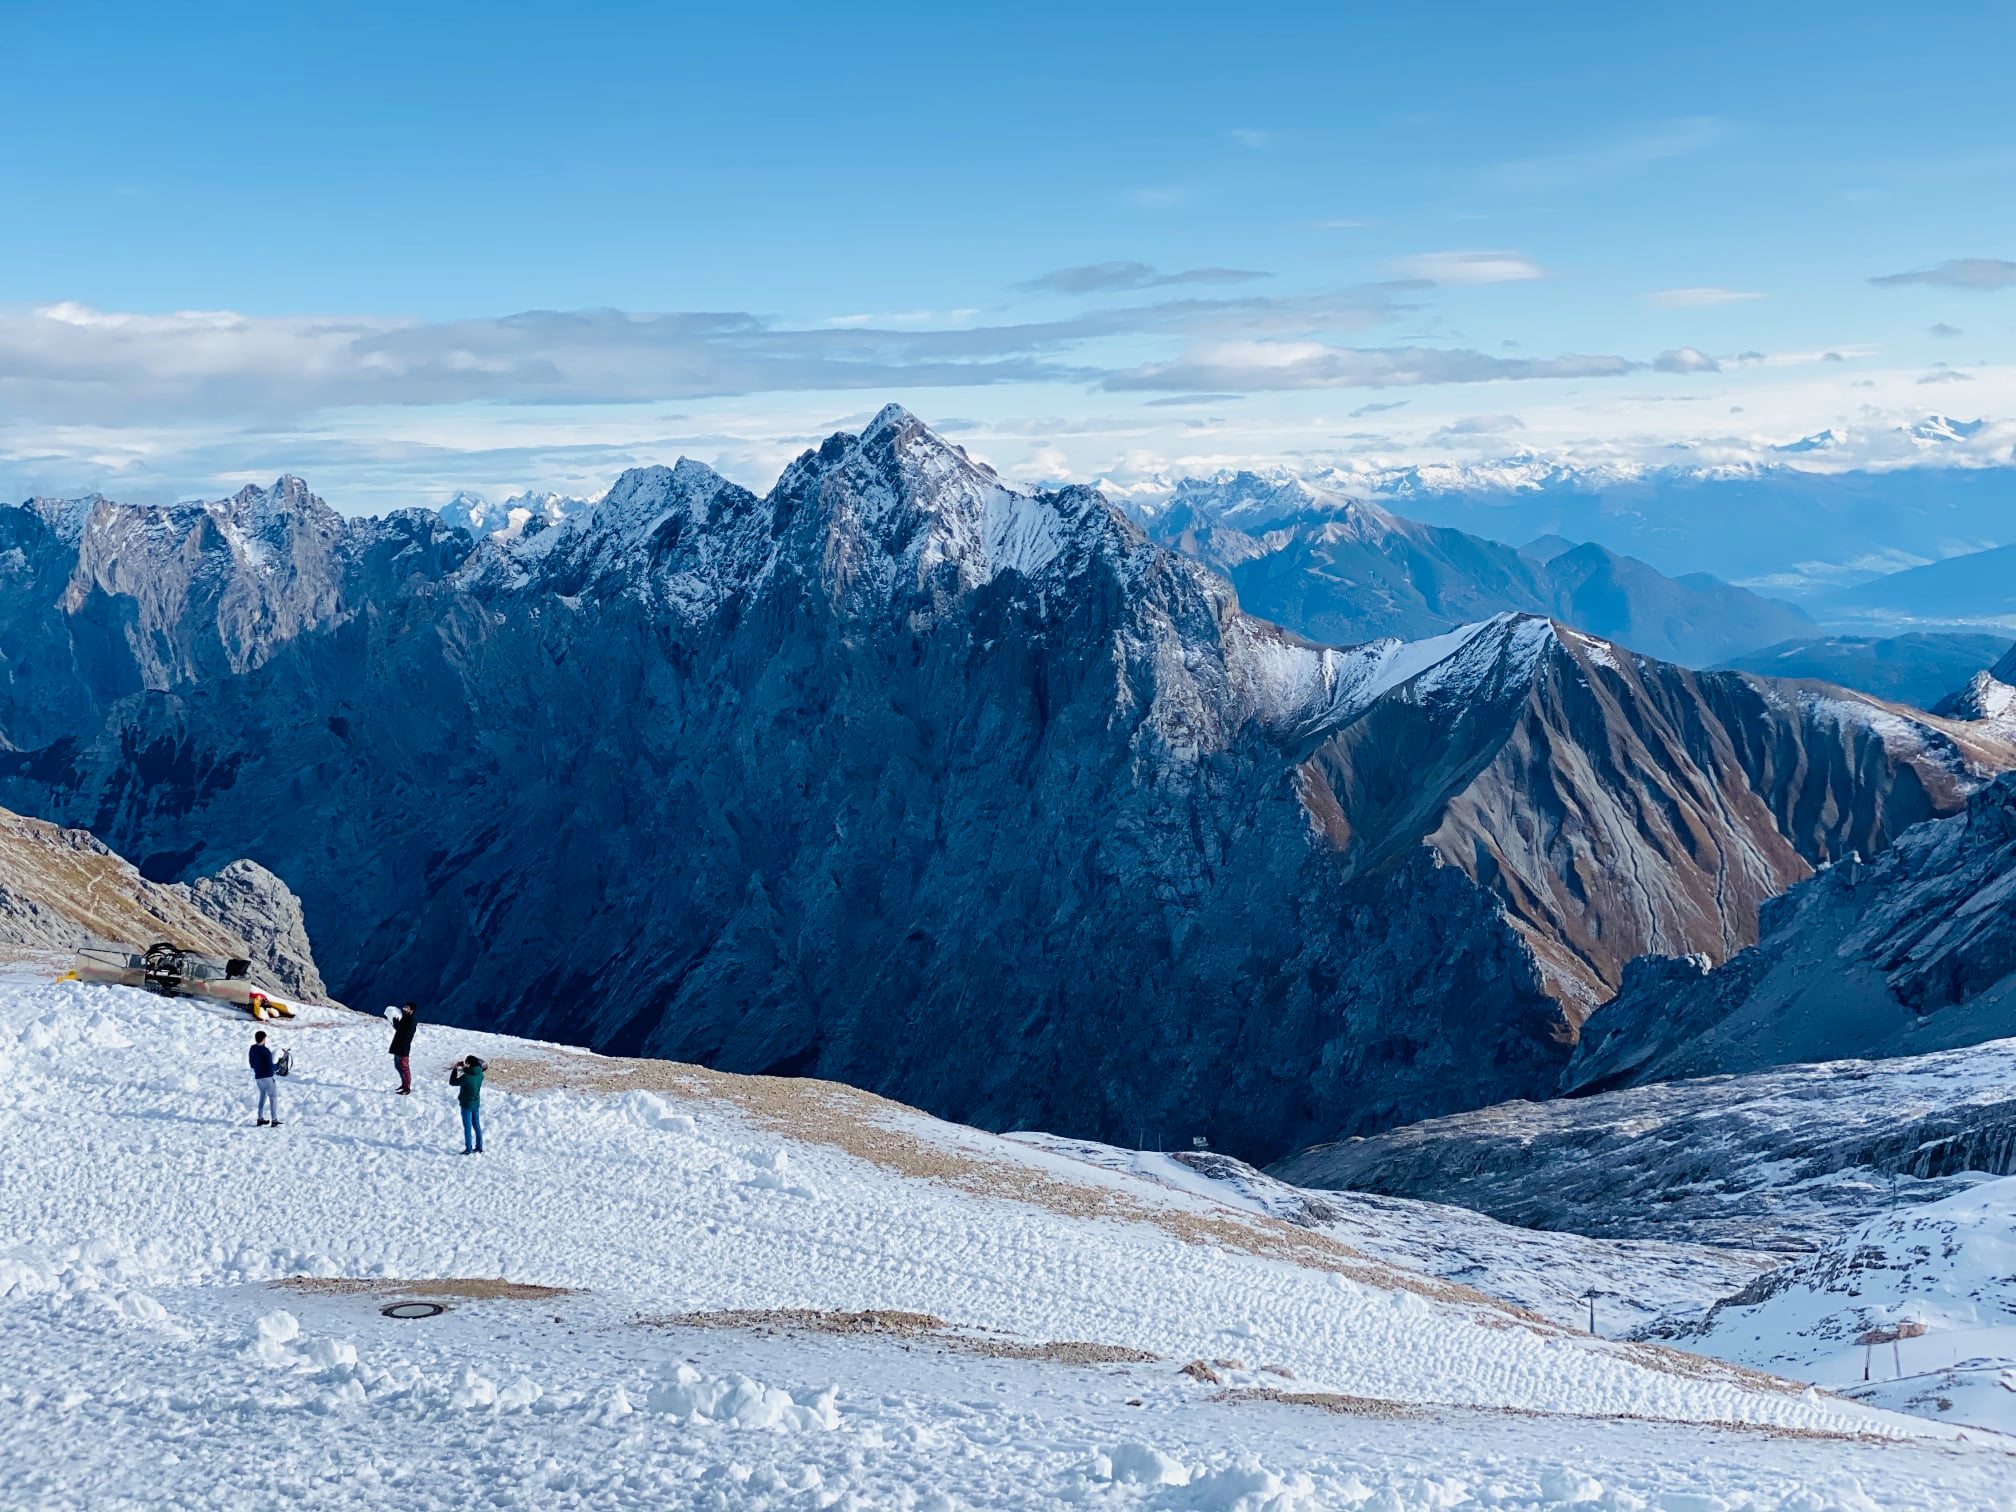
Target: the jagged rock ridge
(1782, 1158)
(979, 798)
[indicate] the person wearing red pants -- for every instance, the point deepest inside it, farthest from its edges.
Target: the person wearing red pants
(402, 1046)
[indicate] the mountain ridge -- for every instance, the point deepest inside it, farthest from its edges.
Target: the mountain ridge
(890, 774)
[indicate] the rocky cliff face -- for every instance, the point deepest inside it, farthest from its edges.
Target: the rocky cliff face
(99, 601)
(1621, 806)
(978, 798)
(62, 888)
(1912, 950)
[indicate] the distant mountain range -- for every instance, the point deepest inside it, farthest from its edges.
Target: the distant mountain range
(1340, 569)
(511, 517)
(1836, 511)
(1921, 669)
(902, 776)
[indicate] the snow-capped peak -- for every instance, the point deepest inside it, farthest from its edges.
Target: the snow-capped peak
(1986, 697)
(1298, 688)
(521, 513)
(67, 517)
(1943, 430)
(1254, 500)
(882, 514)
(1829, 439)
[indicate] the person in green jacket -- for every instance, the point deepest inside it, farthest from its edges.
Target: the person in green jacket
(467, 1074)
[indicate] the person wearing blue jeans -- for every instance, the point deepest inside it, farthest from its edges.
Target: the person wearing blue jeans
(261, 1059)
(467, 1076)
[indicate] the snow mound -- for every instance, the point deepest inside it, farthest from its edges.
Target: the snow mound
(738, 1402)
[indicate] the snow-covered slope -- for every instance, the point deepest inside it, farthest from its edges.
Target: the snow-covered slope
(1637, 1282)
(654, 1282)
(1941, 1278)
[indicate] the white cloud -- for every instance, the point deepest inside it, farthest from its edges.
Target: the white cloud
(1107, 277)
(1699, 298)
(1251, 136)
(1686, 359)
(1157, 199)
(1468, 267)
(1250, 366)
(1983, 274)
(1475, 430)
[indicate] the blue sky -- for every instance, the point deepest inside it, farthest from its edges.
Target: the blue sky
(518, 245)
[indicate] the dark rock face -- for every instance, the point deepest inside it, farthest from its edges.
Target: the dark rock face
(1776, 1159)
(99, 601)
(1343, 570)
(976, 798)
(1913, 950)
(1620, 806)
(894, 776)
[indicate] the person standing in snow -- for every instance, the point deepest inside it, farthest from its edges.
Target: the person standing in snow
(467, 1074)
(402, 1045)
(261, 1058)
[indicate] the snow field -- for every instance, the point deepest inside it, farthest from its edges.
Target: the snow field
(149, 1359)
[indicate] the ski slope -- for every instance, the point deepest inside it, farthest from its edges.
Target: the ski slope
(652, 1286)
(1941, 1277)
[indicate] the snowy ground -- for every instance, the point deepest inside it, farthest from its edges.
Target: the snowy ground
(1638, 1282)
(153, 1349)
(1944, 1273)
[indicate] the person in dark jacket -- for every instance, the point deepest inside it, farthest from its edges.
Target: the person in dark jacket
(261, 1059)
(467, 1074)
(402, 1045)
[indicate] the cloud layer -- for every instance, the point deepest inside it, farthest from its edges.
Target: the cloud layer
(1984, 274)
(1467, 268)
(1109, 277)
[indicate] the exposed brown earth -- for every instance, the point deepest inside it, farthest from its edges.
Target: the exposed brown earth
(459, 1289)
(1329, 1401)
(922, 1327)
(58, 886)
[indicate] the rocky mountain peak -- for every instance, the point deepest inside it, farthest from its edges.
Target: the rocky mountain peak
(1986, 697)
(898, 514)
(67, 518)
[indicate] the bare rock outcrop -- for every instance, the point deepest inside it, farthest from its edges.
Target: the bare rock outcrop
(61, 888)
